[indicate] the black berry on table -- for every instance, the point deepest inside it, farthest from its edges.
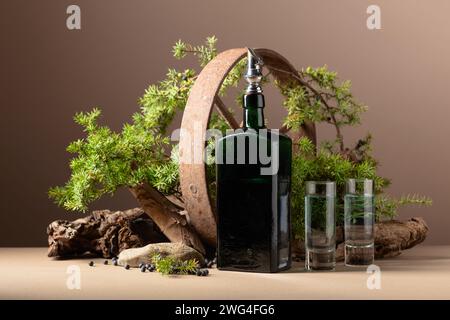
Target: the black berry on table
(143, 269)
(91, 264)
(127, 266)
(202, 272)
(105, 262)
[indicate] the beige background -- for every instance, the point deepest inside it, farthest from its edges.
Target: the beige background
(48, 73)
(31, 275)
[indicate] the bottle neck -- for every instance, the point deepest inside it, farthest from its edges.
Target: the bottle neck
(254, 111)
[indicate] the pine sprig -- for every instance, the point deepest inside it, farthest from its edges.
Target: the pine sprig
(204, 53)
(317, 96)
(105, 160)
(169, 265)
(387, 206)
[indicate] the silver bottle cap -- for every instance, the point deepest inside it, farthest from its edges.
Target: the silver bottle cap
(254, 72)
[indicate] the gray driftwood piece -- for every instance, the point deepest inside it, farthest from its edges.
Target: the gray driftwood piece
(176, 250)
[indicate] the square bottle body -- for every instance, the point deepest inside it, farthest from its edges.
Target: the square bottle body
(253, 209)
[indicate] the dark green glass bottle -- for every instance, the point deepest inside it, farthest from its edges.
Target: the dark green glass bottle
(253, 189)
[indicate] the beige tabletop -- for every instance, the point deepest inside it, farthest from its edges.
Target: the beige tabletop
(420, 273)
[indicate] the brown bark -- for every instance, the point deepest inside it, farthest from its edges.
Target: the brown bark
(391, 238)
(103, 233)
(170, 218)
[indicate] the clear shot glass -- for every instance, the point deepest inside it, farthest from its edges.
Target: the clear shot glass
(359, 219)
(320, 225)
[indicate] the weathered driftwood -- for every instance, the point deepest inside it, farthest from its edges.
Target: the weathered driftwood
(391, 238)
(106, 233)
(169, 216)
(103, 233)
